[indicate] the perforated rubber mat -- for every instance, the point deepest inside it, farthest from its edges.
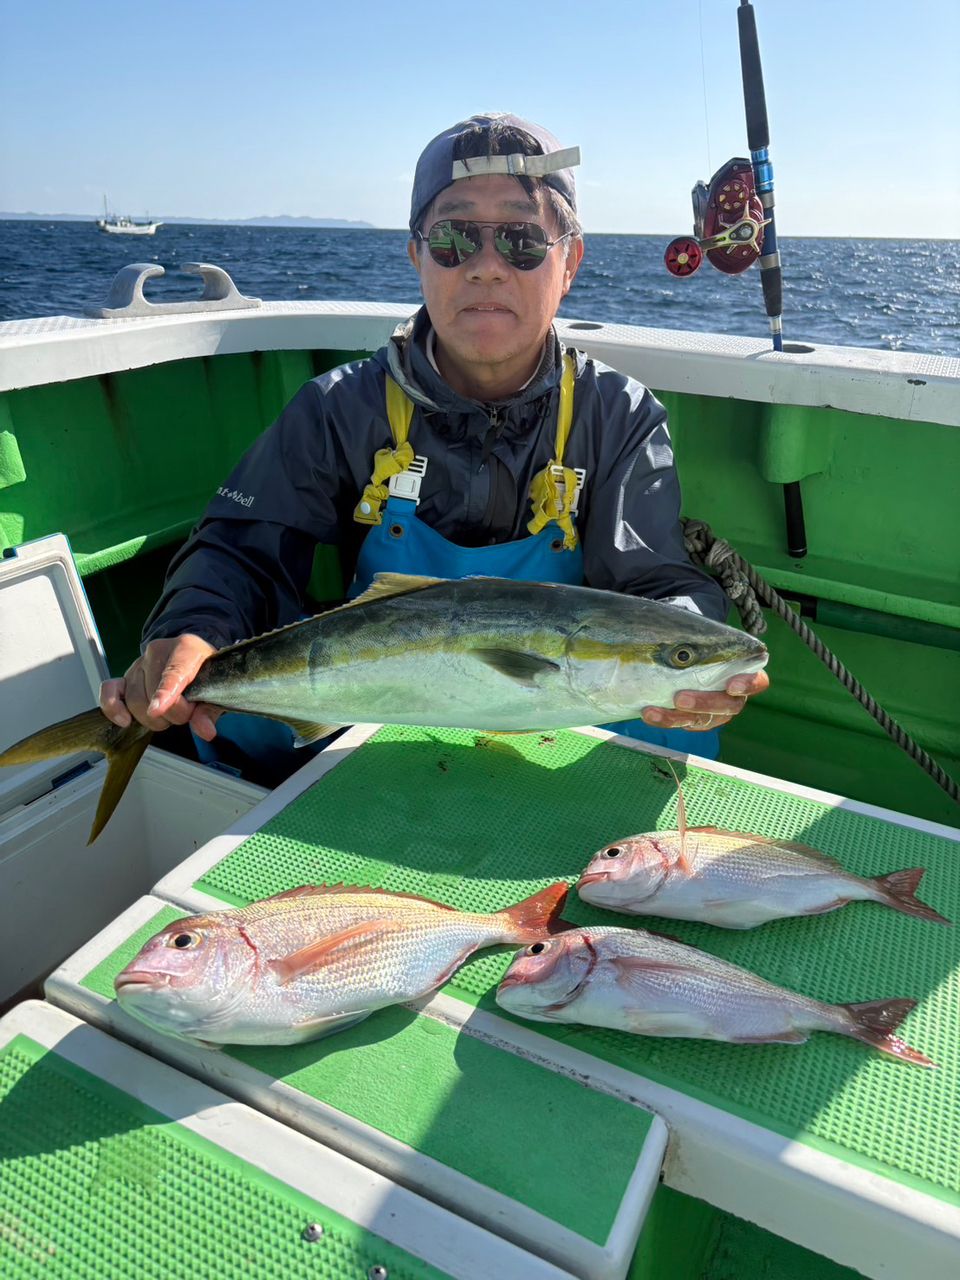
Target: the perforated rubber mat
(491, 1115)
(481, 822)
(95, 1184)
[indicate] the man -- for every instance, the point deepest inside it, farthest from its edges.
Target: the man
(471, 443)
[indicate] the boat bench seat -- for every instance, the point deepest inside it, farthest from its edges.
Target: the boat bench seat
(115, 1164)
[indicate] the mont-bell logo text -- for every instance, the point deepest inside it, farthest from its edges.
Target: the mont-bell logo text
(236, 496)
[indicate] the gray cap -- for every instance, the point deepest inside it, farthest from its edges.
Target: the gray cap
(437, 168)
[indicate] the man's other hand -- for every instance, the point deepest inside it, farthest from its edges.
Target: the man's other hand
(700, 711)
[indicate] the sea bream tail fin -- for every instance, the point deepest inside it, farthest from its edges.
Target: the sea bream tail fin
(537, 916)
(874, 1022)
(899, 891)
(89, 731)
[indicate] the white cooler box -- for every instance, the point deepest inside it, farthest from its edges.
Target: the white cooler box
(55, 891)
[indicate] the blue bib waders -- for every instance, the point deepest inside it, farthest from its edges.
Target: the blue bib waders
(399, 542)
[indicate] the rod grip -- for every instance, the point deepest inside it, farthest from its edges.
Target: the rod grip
(771, 278)
(754, 101)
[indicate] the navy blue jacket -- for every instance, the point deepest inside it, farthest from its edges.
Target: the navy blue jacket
(245, 567)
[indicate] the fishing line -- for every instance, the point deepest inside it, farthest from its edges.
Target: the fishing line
(703, 83)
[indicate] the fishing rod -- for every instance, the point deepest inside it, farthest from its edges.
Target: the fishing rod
(734, 226)
(758, 140)
(771, 275)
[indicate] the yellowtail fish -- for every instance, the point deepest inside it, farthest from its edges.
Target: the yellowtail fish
(733, 879)
(640, 982)
(478, 653)
(312, 960)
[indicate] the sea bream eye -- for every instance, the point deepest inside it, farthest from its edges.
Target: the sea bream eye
(535, 948)
(613, 852)
(184, 940)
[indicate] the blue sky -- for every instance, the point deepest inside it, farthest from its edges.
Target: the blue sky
(236, 109)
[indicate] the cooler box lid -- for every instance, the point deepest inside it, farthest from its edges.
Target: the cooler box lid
(51, 658)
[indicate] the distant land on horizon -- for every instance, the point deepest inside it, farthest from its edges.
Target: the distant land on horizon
(264, 220)
(291, 220)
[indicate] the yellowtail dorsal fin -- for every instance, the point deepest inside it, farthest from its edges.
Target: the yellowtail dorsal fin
(383, 585)
(393, 584)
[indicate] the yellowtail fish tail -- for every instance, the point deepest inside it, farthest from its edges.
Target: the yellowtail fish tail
(89, 731)
(899, 889)
(538, 916)
(874, 1022)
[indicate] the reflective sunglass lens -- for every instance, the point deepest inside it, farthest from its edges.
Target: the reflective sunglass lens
(523, 245)
(450, 245)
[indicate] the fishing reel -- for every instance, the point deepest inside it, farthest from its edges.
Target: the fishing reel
(728, 224)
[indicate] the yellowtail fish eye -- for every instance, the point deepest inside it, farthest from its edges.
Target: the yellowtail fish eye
(184, 940)
(613, 852)
(681, 656)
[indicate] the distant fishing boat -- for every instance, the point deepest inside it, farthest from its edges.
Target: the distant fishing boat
(116, 225)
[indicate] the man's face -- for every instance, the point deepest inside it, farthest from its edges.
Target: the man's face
(491, 319)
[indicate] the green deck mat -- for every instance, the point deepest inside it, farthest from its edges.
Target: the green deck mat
(491, 1115)
(479, 822)
(96, 1184)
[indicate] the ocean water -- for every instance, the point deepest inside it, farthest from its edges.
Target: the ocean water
(897, 295)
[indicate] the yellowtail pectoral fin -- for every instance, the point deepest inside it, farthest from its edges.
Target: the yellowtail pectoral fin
(89, 731)
(522, 667)
(317, 954)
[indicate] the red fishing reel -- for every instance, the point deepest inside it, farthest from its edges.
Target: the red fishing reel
(728, 224)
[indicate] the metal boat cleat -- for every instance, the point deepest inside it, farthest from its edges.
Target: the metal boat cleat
(126, 293)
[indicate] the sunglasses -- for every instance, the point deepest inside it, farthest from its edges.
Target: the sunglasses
(523, 245)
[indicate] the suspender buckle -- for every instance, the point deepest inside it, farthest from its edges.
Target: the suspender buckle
(406, 484)
(557, 472)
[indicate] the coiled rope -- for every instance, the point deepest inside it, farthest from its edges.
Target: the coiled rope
(746, 589)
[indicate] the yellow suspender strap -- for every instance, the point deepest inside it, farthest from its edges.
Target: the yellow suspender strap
(387, 462)
(553, 490)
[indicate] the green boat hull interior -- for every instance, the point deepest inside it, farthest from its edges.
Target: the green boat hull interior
(124, 462)
(116, 434)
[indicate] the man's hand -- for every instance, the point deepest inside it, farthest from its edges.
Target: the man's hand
(151, 690)
(698, 711)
